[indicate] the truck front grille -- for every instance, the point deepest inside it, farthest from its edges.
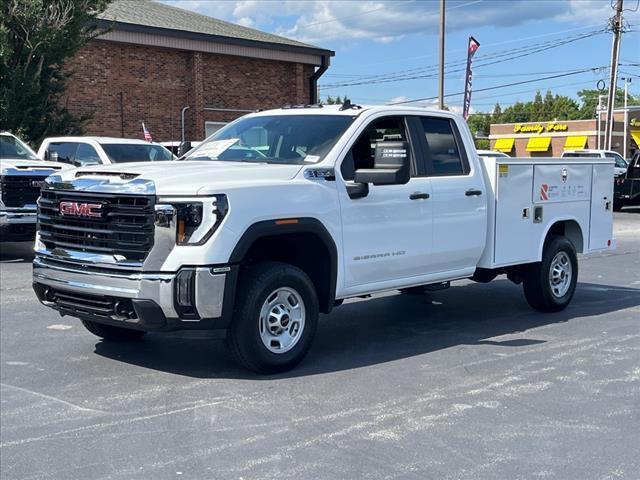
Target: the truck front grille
(124, 226)
(21, 190)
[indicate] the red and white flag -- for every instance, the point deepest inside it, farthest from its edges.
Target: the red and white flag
(147, 135)
(473, 47)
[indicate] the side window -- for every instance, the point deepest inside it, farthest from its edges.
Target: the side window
(620, 163)
(86, 155)
(65, 150)
(361, 154)
(444, 153)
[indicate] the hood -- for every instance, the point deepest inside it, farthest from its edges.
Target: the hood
(173, 178)
(31, 166)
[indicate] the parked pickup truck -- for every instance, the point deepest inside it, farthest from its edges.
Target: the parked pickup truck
(21, 176)
(283, 214)
(627, 187)
(84, 151)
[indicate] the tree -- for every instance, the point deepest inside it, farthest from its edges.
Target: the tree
(479, 124)
(335, 101)
(589, 100)
(36, 37)
(497, 113)
(551, 107)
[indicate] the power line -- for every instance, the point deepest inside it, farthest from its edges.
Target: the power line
(484, 46)
(499, 57)
(494, 87)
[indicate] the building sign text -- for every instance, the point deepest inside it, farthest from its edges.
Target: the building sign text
(540, 128)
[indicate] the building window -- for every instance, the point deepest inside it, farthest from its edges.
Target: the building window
(212, 127)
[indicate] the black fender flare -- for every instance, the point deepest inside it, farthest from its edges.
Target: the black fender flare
(285, 226)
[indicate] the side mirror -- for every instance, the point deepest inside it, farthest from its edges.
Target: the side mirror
(391, 165)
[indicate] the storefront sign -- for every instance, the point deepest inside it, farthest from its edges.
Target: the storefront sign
(540, 128)
(635, 122)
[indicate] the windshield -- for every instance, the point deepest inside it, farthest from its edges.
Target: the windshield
(11, 147)
(136, 152)
(288, 139)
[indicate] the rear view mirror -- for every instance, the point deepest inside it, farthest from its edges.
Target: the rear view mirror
(391, 165)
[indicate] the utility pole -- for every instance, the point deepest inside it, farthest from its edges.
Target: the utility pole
(627, 81)
(441, 79)
(615, 51)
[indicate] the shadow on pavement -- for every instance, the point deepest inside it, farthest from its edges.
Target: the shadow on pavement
(16, 252)
(384, 329)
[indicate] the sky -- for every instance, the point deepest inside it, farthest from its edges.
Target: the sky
(387, 51)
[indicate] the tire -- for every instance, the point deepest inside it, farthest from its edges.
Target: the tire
(271, 299)
(617, 205)
(549, 285)
(111, 333)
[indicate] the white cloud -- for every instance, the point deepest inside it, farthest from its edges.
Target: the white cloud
(319, 21)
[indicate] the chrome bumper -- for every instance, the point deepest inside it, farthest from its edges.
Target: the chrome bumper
(15, 216)
(159, 288)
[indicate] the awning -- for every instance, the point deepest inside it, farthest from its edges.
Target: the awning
(636, 137)
(575, 143)
(538, 144)
(504, 144)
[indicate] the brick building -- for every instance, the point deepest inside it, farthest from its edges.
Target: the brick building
(155, 60)
(550, 139)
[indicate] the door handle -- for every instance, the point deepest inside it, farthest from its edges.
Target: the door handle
(418, 196)
(473, 193)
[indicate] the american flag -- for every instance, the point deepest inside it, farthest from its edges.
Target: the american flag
(147, 135)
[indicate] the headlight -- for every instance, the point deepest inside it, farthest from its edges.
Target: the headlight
(194, 219)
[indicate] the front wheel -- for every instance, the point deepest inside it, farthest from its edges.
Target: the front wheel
(275, 319)
(549, 285)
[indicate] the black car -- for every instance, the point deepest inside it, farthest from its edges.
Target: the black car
(627, 186)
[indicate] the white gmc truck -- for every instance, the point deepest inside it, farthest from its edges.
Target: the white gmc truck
(22, 174)
(283, 214)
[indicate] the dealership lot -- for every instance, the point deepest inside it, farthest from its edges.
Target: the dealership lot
(465, 383)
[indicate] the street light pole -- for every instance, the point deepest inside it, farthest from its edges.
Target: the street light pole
(441, 79)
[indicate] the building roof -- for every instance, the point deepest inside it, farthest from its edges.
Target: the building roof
(153, 17)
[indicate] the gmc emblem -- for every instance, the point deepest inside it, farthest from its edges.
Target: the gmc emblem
(37, 183)
(80, 209)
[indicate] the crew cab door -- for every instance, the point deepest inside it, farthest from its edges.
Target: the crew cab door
(387, 233)
(459, 197)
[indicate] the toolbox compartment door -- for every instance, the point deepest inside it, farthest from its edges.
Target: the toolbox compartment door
(515, 238)
(601, 223)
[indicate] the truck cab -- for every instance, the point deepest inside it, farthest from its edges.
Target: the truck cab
(627, 186)
(283, 214)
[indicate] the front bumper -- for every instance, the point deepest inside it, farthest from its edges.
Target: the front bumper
(139, 300)
(17, 224)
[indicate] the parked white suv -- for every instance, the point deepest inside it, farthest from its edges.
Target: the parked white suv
(283, 214)
(81, 151)
(22, 174)
(620, 167)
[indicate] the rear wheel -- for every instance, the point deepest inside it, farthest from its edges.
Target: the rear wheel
(275, 319)
(549, 285)
(111, 333)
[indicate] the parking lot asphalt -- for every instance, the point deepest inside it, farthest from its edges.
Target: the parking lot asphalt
(466, 383)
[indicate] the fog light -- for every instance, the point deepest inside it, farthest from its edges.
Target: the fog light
(184, 294)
